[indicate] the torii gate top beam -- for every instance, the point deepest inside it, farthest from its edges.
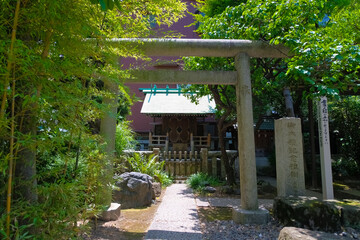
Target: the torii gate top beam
(203, 47)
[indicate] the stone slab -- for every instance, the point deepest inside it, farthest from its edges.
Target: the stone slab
(112, 213)
(229, 202)
(293, 233)
(202, 202)
(242, 216)
(157, 188)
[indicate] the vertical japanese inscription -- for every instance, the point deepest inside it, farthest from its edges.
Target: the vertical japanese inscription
(325, 153)
(289, 157)
(293, 153)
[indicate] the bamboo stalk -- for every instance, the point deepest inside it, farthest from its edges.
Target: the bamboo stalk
(11, 59)
(11, 161)
(68, 153)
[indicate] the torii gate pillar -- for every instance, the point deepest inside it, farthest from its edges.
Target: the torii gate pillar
(107, 131)
(249, 213)
(242, 50)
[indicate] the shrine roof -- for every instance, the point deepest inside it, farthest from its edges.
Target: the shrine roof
(176, 104)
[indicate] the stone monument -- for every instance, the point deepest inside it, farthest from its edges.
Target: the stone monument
(289, 157)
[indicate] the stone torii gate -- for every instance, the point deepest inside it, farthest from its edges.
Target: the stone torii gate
(242, 51)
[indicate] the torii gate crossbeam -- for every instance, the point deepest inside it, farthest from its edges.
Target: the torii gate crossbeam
(241, 50)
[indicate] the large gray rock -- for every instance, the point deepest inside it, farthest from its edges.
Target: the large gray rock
(293, 233)
(308, 212)
(135, 190)
(210, 189)
(350, 213)
(312, 213)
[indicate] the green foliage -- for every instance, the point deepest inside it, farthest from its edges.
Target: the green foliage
(149, 165)
(145, 164)
(213, 7)
(124, 138)
(198, 181)
(321, 35)
(61, 206)
(61, 59)
(345, 122)
(66, 195)
(164, 178)
(345, 168)
(107, 4)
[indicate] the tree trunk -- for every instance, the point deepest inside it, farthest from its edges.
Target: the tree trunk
(222, 126)
(288, 103)
(26, 163)
(230, 175)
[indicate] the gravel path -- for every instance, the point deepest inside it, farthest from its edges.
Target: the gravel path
(228, 230)
(176, 217)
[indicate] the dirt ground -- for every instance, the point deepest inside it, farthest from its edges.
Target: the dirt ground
(132, 224)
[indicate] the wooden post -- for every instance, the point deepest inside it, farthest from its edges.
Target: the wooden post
(197, 164)
(192, 145)
(192, 163)
(166, 165)
(325, 154)
(156, 152)
(171, 165)
(204, 160)
(186, 164)
(208, 140)
(214, 165)
(181, 164)
(167, 142)
(175, 164)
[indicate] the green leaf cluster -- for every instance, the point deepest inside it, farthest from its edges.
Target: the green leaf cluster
(198, 181)
(322, 36)
(149, 165)
(125, 138)
(345, 123)
(56, 67)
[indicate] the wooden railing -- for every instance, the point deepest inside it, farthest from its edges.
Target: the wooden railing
(181, 165)
(158, 141)
(200, 141)
(162, 142)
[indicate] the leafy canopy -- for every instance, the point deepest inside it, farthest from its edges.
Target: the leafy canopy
(322, 36)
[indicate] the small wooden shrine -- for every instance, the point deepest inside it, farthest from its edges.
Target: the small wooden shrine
(179, 123)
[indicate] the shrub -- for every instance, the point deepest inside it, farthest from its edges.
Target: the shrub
(124, 138)
(199, 181)
(150, 166)
(345, 168)
(67, 192)
(164, 178)
(345, 122)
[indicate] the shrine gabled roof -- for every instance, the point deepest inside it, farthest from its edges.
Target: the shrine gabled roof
(176, 104)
